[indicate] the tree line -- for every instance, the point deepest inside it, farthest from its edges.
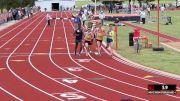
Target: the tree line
(8, 4)
(120, 2)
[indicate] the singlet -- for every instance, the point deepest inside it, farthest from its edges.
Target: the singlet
(100, 33)
(88, 36)
(111, 33)
(77, 20)
(78, 34)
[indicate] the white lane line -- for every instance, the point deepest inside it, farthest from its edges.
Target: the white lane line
(130, 75)
(125, 62)
(126, 74)
(171, 47)
(14, 28)
(65, 78)
(7, 63)
(40, 53)
(146, 69)
(19, 32)
(13, 56)
(29, 58)
(34, 53)
(11, 94)
(71, 67)
(93, 72)
(61, 93)
(105, 75)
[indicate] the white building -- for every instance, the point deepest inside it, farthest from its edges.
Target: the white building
(55, 5)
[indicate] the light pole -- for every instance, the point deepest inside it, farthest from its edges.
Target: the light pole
(158, 48)
(176, 3)
(95, 6)
(158, 26)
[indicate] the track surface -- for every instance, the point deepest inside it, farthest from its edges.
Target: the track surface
(37, 64)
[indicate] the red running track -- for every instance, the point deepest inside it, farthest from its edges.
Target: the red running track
(39, 65)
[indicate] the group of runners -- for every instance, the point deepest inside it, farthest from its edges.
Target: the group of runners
(86, 37)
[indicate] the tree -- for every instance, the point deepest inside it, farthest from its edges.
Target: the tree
(109, 2)
(96, 0)
(146, 1)
(8, 4)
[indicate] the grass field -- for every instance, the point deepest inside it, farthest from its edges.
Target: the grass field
(165, 1)
(79, 3)
(166, 61)
(172, 30)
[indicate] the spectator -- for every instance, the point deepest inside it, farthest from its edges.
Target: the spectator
(110, 8)
(84, 18)
(48, 18)
(143, 16)
(148, 11)
(162, 8)
(101, 17)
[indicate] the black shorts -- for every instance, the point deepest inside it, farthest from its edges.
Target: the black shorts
(78, 40)
(89, 42)
(109, 40)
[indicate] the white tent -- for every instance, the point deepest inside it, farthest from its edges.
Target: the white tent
(52, 5)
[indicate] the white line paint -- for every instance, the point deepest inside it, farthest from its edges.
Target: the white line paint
(141, 67)
(170, 47)
(126, 74)
(15, 27)
(95, 73)
(11, 94)
(65, 78)
(35, 53)
(29, 58)
(7, 63)
(19, 32)
(125, 62)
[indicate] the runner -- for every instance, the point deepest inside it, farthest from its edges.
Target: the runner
(99, 38)
(48, 18)
(87, 40)
(77, 21)
(110, 37)
(78, 40)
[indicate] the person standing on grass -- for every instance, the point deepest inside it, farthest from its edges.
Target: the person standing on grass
(84, 18)
(143, 16)
(162, 8)
(99, 38)
(148, 11)
(110, 8)
(101, 17)
(110, 37)
(78, 39)
(48, 18)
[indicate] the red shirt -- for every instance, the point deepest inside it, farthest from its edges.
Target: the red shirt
(136, 33)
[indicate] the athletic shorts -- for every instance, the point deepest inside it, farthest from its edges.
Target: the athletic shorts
(89, 42)
(99, 40)
(78, 40)
(109, 40)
